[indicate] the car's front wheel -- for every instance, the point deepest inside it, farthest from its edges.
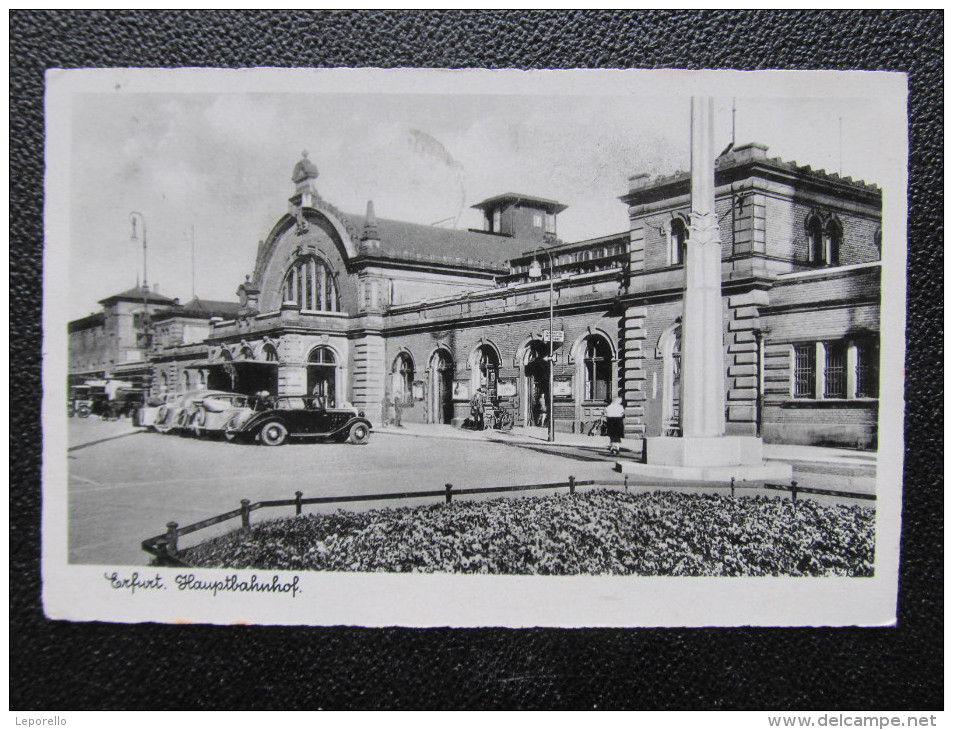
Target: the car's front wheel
(359, 434)
(273, 433)
(232, 429)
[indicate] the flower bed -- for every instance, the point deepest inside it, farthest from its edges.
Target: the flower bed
(599, 532)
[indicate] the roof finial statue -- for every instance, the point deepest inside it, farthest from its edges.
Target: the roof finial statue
(304, 171)
(303, 176)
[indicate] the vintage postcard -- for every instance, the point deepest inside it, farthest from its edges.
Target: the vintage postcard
(474, 348)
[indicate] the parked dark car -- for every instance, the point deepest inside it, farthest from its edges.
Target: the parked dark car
(302, 417)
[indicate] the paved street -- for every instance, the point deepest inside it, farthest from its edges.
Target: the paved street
(125, 484)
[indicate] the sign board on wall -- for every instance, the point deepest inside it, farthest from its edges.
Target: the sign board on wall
(461, 390)
(562, 388)
(506, 387)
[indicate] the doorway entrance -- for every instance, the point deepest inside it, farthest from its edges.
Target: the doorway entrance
(535, 384)
(441, 387)
(322, 375)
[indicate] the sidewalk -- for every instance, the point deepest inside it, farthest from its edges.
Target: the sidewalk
(518, 435)
(787, 453)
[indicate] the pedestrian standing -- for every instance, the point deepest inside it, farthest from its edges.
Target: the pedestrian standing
(477, 404)
(615, 424)
(398, 409)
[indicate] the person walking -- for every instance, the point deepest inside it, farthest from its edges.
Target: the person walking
(541, 409)
(615, 424)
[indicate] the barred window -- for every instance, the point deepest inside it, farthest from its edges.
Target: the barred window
(868, 370)
(804, 368)
(835, 370)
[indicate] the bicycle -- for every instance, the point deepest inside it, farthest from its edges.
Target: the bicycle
(503, 418)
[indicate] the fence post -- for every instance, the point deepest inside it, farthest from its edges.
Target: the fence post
(625, 482)
(449, 488)
(572, 484)
(246, 513)
(298, 496)
(794, 491)
(732, 486)
(172, 537)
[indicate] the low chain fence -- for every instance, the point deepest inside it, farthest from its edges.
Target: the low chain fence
(165, 547)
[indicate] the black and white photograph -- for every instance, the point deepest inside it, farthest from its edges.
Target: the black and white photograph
(474, 348)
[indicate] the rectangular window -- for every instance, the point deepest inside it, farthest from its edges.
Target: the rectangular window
(835, 370)
(868, 370)
(550, 223)
(804, 370)
(537, 221)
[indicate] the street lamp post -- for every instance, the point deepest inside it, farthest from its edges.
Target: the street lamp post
(535, 272)
(133, 217)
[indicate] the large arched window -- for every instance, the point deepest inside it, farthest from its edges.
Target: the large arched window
(403, 378)
(597, 369)
(310, 284)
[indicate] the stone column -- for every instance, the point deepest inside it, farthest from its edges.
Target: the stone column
(703, 369)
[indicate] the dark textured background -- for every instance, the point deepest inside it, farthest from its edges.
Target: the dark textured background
(59, 665)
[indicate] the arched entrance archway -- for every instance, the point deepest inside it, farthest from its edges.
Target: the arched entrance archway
(535, 401)
(223, 376)
(402, 379)
(485, 367)
(441, 387)
(322, 375)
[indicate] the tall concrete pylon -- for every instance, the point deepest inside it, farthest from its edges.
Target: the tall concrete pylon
(703, 451)
(703, 359)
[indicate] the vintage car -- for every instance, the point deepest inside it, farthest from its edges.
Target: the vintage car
(175, 413)
(212, 413)
(80, 401)
(285, 417)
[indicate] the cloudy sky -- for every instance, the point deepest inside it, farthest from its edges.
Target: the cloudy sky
(220, 161)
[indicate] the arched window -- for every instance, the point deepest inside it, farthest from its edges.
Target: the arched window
(815, 242)
(597, 369)
(677, 236)
(403, 378)
(832, 241)
(310, 284)
(322, 356)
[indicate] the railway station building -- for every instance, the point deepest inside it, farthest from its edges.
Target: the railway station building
(363, 310)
